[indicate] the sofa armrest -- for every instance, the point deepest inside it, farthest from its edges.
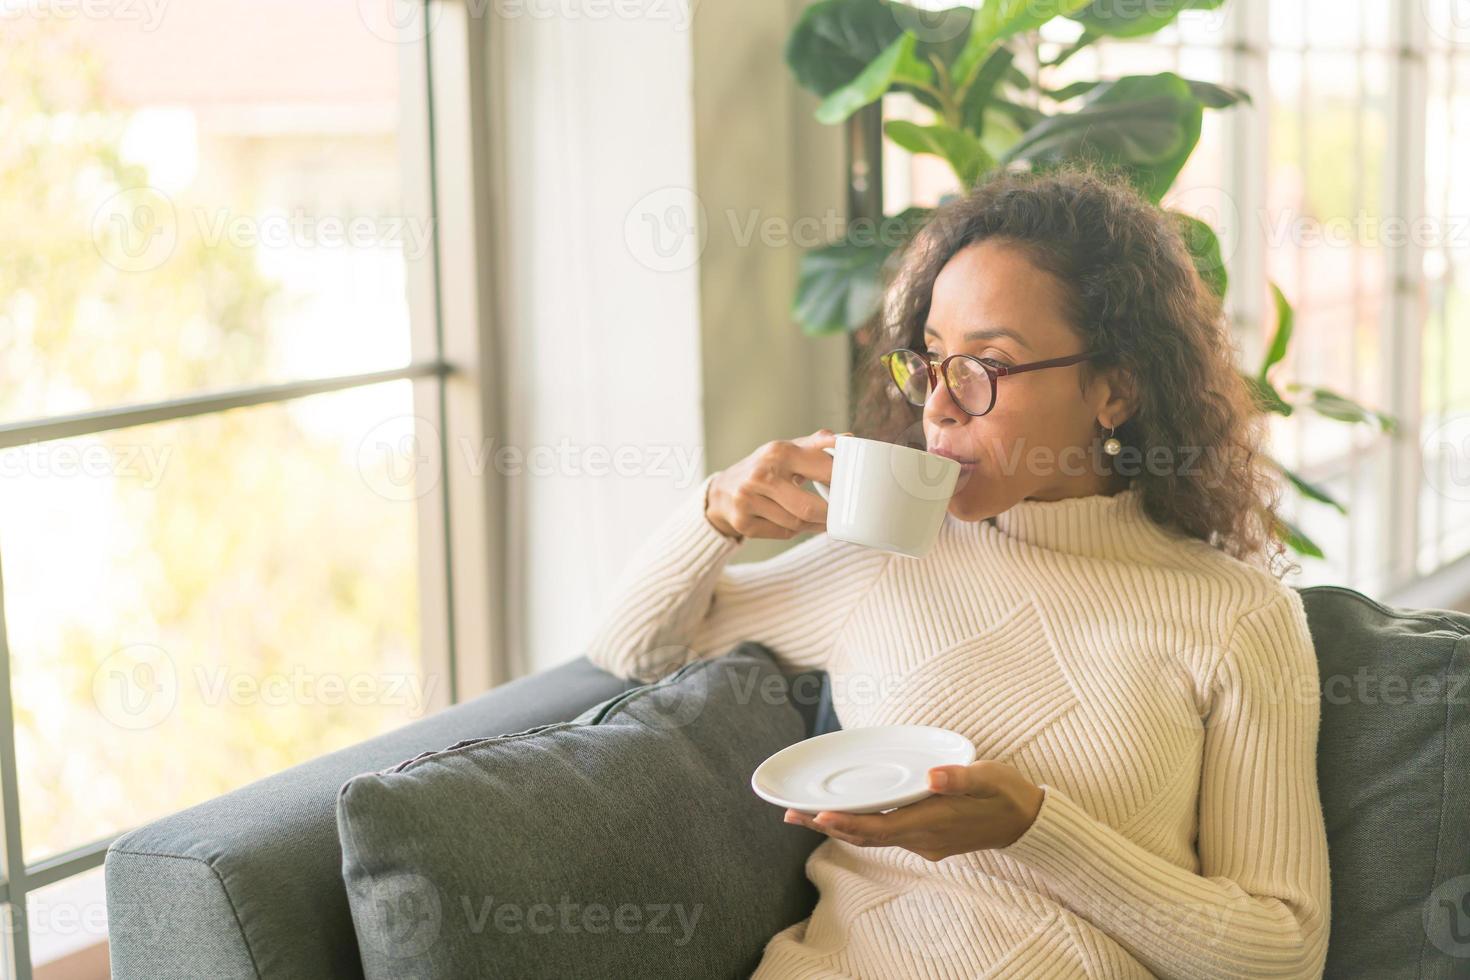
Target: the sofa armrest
(250, 884)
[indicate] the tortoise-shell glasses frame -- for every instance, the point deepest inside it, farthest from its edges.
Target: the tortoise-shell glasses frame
(971, 380)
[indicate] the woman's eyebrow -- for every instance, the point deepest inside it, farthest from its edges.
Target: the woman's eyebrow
(988, 334)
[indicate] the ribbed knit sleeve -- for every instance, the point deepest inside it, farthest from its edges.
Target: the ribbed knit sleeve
(677, 600)
(1259, 906)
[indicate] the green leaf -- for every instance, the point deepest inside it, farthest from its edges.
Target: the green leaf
(941, 33)
(1266, 396)
(1296, 538)
(836, 39)
(1210, 95)
(897, 63)
(1309, 490)
(966, 156)
(1204, 249)
(1113, 19)
(1017, 78)
(1067, 92)
(1023, 116)
(833, 293)
(1001, 19)
(1086, 40)
(1145, 125)
(840, 284)
(1285, 323)
(978, 94)
(1332, 405)
(1000, 133)
(1218, 96)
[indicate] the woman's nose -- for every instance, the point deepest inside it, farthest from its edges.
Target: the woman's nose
(940, 407)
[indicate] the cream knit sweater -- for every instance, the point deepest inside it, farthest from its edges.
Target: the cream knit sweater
(1163, 695)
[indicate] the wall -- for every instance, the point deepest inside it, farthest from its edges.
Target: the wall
(771, 181)
(626, 324)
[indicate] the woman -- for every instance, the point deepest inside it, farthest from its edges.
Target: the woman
(1100, 616)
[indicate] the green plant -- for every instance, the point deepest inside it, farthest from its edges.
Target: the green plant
(988, 114)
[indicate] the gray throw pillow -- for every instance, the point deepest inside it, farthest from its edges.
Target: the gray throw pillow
(1393, 765)
(624, 843)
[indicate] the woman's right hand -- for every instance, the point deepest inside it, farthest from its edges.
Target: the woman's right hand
(761, 496)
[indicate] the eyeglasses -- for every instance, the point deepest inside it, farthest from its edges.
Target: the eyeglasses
(971, 380)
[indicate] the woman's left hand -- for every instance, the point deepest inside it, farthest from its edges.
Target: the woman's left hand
(976, 807)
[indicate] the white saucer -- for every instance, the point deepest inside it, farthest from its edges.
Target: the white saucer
(860, 770)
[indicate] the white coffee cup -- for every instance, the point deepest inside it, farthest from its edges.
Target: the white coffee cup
(887, 496)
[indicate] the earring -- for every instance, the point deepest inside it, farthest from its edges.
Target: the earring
(1112, 446)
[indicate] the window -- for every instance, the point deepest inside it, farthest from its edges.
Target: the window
(1338, 186)
(1444, 502)
(219, 381)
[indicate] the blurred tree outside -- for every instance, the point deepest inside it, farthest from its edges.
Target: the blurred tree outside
(236, 572)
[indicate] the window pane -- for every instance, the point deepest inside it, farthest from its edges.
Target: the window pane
(68, 925)
(1326, 228)
(7, 934)
(206, 201)
(1444, 517)
(196, 604)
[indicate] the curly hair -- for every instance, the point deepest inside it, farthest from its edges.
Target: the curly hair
(1133, 293)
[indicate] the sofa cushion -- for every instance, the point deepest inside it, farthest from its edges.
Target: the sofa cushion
(1393, 765)
(626, 842)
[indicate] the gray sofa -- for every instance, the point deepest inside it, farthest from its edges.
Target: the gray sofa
(249, 885)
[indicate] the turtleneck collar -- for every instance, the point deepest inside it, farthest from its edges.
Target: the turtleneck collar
(1098, 525)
